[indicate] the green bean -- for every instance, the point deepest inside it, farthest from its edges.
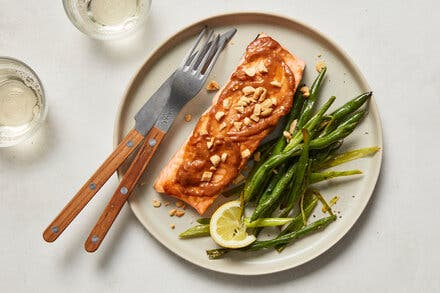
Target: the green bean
(195, 231)
(257, 165)
(267, 222)
(342, 131)
(297, 223)
(285, 199)
(275, 178)
(203, 230)
(267, 214)
(338, 159)
(255, 181)
(299, 180)
(311, 124)
(351, 106)
(321, 176)
(294, 114)
(310, 102)
(319, 156)
(270, 198)
(285, 239)
(203, 221)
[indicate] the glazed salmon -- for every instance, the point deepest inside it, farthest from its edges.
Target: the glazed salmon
(244, 111)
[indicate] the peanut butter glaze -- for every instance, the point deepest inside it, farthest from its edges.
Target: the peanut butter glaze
(237, 140)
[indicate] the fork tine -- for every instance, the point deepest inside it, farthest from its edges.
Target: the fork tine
(199, 37)
(204, 48)
(214, 58)
(209, 54)
(201, 52)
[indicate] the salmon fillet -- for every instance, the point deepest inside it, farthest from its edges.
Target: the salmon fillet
(244, 111)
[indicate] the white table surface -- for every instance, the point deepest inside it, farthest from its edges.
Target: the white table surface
(394, 247)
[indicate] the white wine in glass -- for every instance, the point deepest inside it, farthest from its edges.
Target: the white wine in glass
(107, 19)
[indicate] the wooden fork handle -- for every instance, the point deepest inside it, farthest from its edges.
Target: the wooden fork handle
(92, 186)
(125, 188)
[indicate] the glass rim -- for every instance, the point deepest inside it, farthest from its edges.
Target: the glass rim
(43, 113)
(67, 5)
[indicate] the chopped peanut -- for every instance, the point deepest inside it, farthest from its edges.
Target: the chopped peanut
(261, 67)
(305, 91)
(219, 115)
(226, 103)
(287, 135)
(240, 109)
(267, 103)
(203, 131)
(257, 109)
(172, 212)
(266, 112)
(255, 117)
(245, 153)
(212, 86)
(247, 121)
(250, 71)
(258, 93)
(293, 125)
(224, 157)
(167, 203)
(243, 101)
(320, 65)
(179, 213)
(179, 203)
(172, 226)
(275, 83)
(188, 117)
(274, 101)
(237, 125)
(215, 160)
(222, 126)
(247, 90)
(263, 95)
(156, 203)
(206, 176)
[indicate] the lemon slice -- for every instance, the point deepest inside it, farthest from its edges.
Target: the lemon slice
(226, 227)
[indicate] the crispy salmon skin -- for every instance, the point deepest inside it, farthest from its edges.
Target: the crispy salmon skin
(248, 107)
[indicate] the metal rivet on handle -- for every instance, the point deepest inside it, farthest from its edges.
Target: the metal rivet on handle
(92, 186)
(130, 143)
(55, 229)
(152, 142)
(95, 238)
(124, 190)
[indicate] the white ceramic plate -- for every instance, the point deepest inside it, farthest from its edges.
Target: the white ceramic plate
(344, 81)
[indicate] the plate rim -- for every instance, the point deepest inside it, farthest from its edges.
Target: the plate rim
(166, 43)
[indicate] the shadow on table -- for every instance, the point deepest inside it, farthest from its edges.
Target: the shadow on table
(296, 273)
(34, 149)
(127, 48)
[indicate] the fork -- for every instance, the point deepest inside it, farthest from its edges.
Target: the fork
(188, 81)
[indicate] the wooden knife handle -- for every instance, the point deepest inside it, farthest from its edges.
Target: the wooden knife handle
(125, 188)
(92, 186)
